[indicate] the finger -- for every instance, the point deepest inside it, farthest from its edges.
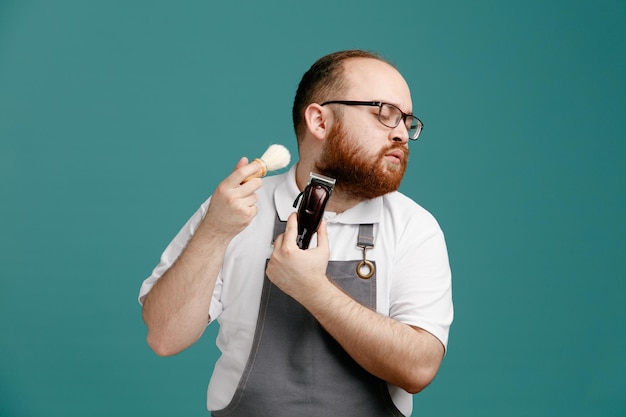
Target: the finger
(243, 170)
(242, 162)
(250, 170)
(249, 200)
(291, 229)
(257, 173)
(322, 235)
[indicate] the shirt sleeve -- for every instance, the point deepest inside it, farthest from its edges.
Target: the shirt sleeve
(422, 292)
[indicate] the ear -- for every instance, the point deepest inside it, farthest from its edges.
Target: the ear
(318, 120)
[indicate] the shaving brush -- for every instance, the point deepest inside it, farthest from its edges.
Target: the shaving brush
(275, 157)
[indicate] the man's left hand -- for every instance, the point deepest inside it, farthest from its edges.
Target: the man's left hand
(296, 271)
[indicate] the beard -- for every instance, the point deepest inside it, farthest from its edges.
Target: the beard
(358, 174)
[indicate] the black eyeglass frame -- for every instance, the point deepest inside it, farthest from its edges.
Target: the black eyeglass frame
(380, 104)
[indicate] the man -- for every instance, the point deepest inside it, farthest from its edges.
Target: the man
(315, 337)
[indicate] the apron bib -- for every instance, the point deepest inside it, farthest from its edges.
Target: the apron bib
(297, 369)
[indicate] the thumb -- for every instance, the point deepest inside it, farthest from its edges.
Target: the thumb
(242, 162)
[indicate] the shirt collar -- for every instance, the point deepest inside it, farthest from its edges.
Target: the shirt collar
(368, 211)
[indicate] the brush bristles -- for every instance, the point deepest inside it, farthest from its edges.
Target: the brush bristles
(276, 157)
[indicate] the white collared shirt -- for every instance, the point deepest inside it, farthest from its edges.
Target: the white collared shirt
(412, 272)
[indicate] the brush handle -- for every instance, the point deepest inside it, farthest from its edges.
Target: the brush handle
(260, 173)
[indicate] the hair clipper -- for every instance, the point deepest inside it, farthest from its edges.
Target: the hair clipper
(312, 204)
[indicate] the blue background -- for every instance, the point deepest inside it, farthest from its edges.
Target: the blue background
(118, 118)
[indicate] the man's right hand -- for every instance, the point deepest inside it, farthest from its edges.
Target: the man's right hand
(233, 204)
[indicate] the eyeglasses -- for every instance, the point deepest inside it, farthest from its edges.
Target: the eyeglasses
(389, 115)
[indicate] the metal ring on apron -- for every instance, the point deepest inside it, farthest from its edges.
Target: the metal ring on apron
(367, 265)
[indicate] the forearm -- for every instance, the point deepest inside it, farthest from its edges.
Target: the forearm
(176, 311)
(395, 352)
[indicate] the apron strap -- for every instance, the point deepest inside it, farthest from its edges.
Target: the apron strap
(366, 236)
(279, 228)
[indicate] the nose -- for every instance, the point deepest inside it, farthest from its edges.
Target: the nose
(399, 133)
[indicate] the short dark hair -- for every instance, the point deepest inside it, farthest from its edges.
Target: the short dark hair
(324, 81)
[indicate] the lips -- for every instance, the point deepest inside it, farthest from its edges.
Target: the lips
(396, 154)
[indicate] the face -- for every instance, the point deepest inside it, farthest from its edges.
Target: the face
(359, 173)
(367, 158)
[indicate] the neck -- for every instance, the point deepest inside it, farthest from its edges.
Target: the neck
(339, 202)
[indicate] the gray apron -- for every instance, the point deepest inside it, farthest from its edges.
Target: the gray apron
(296, 368)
